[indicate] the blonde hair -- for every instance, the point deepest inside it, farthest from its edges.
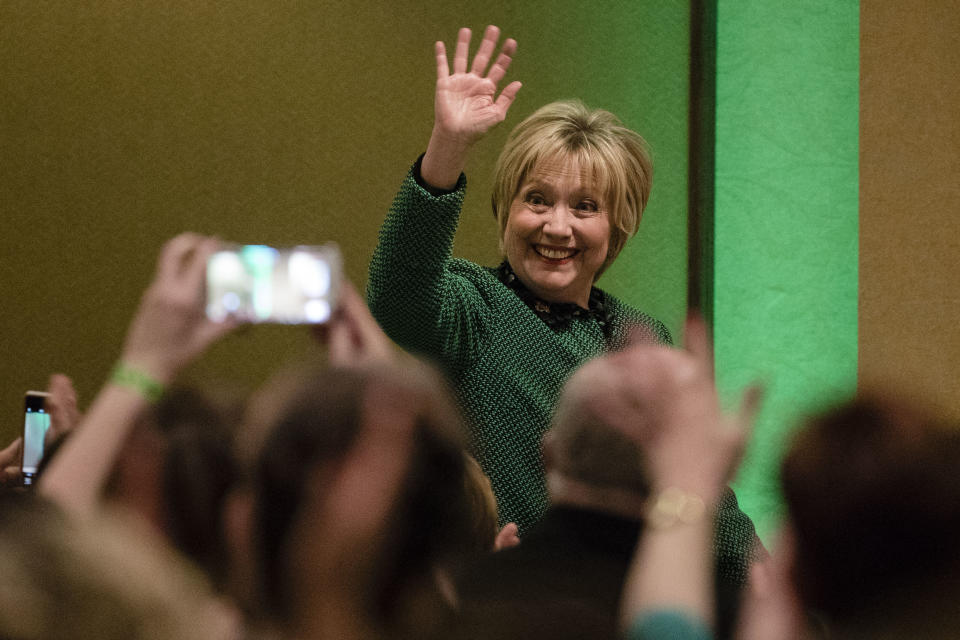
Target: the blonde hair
(107, 578)
(616, 158)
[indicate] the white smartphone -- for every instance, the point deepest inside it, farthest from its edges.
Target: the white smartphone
(36, 422)
(257, 283)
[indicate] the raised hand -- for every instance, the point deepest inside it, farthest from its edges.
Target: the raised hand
(170, 328)
(352, 336)
(695, 445)
(466, 104)
(168, 331)
(62, 406)
(10, 464)
(508, 537)
(691, 448)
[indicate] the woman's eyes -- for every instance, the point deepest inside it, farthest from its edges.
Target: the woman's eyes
(588, 206)
(536, 200)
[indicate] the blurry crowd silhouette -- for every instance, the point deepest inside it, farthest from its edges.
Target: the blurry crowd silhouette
(340, 501)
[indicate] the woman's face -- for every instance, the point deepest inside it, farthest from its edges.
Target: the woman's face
(557, 232)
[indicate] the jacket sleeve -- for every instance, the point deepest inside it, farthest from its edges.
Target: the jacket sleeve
(415, 296)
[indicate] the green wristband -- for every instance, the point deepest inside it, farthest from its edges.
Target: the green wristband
(132, 378)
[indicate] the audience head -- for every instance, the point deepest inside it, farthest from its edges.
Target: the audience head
(589, 454)
(873, 495)
(355, 498)
(198, 471)
(175, 470)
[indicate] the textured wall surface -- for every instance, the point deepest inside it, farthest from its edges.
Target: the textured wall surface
(785, 306)
(280, 122)
(910, 200)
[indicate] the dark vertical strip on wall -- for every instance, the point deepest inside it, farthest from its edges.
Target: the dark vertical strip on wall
(703, 110)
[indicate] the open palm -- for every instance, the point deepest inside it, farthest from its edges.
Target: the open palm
(467, 105)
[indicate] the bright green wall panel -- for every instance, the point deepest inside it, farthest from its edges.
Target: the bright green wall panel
(786, 220)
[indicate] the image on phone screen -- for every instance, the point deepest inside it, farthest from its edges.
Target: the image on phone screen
(257, 283)
(36, 422)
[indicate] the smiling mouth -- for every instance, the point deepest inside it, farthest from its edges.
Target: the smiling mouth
(554, 253)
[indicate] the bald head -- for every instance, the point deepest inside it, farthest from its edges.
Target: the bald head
(615, 406)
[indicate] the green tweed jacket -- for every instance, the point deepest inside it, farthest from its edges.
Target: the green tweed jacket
(506, 353)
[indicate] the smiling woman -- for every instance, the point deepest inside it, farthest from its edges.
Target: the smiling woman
(557, 233)
(570, 187)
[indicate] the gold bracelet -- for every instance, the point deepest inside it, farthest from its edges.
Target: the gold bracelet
(674, 506)
(138, 381)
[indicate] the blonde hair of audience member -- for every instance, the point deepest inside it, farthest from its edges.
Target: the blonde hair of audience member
(614, 157)
(102, 578)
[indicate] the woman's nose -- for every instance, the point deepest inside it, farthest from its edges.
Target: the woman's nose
(558, 221)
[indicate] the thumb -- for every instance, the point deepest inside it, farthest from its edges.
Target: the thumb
(507, 537)
(11, 454)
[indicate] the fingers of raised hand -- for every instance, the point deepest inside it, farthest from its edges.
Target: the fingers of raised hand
(174, 253)
(181, 268)
(443, 68)
(11, 454)
(697, 341)
(463, 48)
(506, 97)
(499, 68)
(355, 338)
(482, 57)
(750, 401)
(507, 537)
(62, 404)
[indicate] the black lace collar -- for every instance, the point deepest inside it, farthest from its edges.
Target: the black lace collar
(557, 315)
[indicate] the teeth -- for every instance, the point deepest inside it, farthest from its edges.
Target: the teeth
(555, 254)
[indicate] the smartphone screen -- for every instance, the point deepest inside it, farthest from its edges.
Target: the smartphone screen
(36, 422)
(257, 283)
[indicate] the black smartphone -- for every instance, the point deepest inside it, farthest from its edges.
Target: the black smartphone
(36, 422)
(257, 283)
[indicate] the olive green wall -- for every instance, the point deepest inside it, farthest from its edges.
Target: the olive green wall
(122, 124)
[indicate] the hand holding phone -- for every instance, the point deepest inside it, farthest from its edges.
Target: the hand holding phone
(10, 459)
(170, 329)
(36, 422)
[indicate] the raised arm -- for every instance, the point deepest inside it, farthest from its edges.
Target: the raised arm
(466, 104)
(168, 331)
(690, 456)
(412, 291)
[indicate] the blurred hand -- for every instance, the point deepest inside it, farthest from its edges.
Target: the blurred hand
(697, 444)
(352, 336)
(770, 607)
(507, 537)
(62, 407)
(466, 105)
(669, 403)
(10, 464)
(170, 328)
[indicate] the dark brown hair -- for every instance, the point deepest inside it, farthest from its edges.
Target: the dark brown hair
(873, 493)
(316, 430)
